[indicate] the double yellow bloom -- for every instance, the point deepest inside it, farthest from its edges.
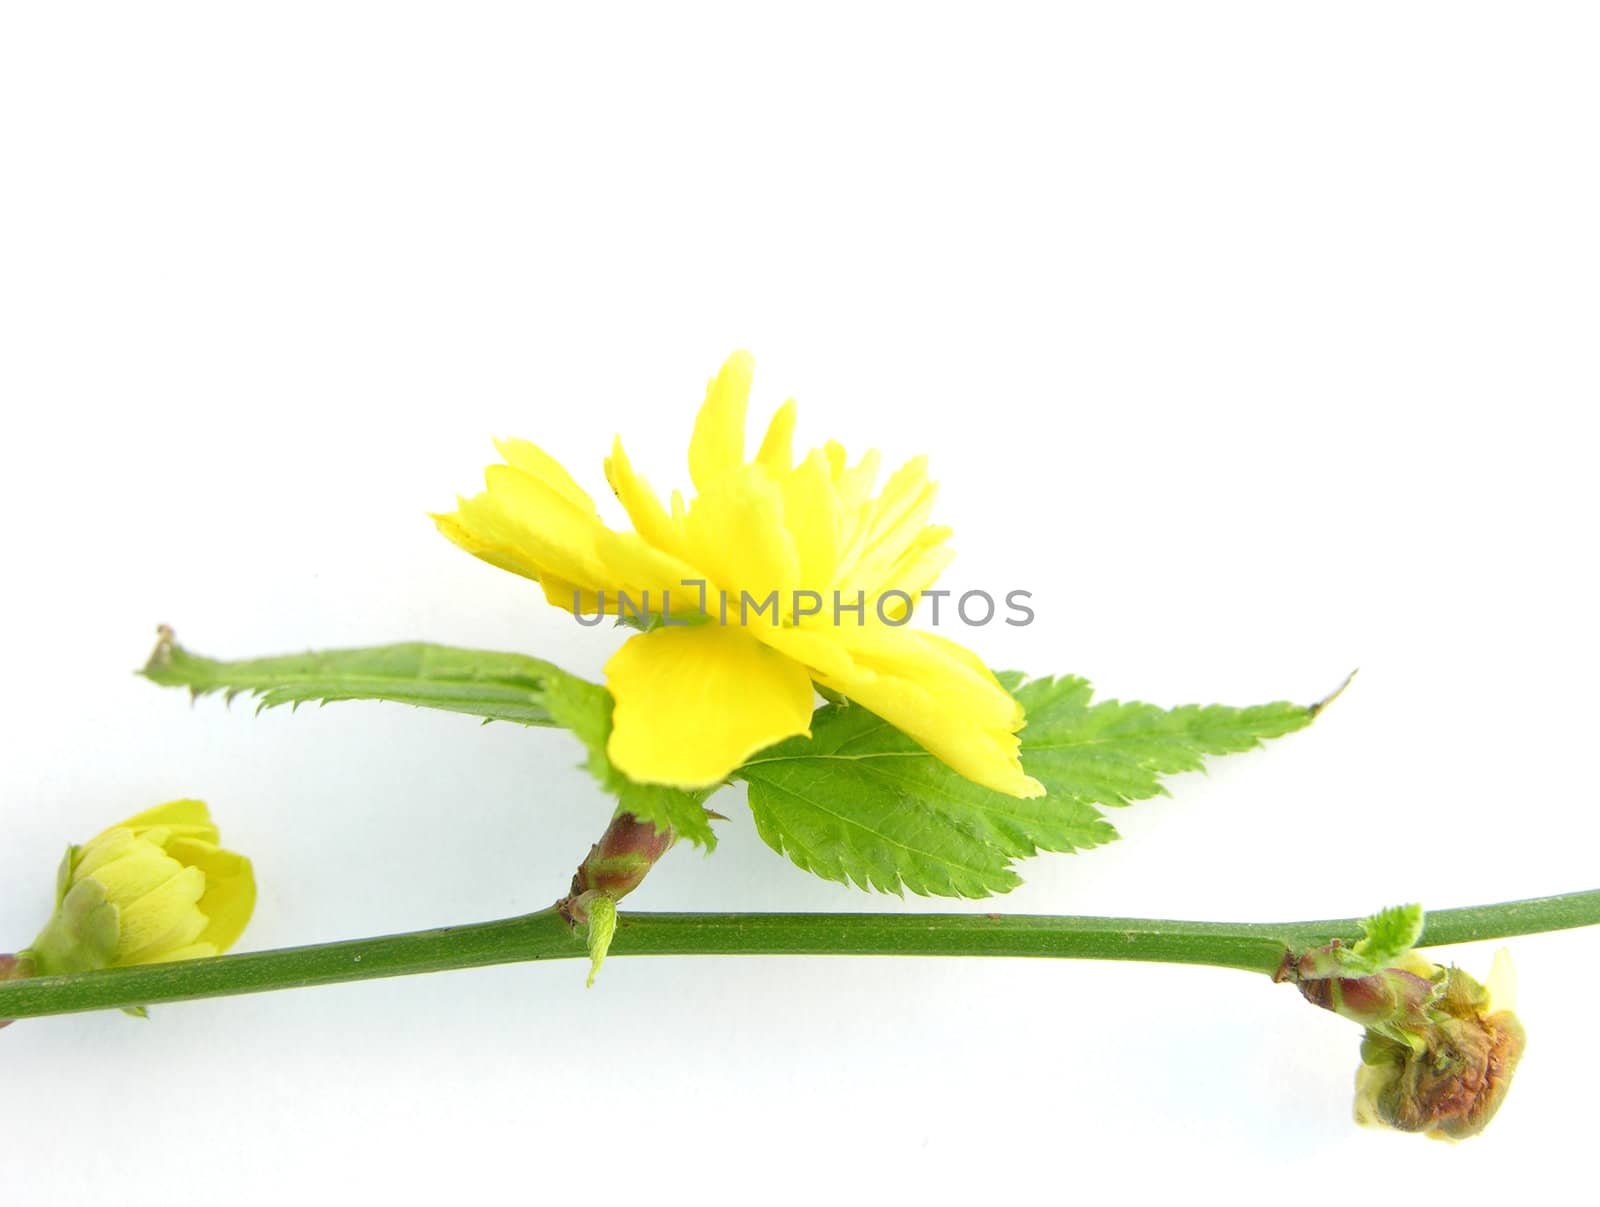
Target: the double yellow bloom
(695, 698)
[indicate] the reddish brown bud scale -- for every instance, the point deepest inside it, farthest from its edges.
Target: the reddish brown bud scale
(13, 968)
(619, 862)
(1393, 995)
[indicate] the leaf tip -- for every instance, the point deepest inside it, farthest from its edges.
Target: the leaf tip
(1316, 709)
(160, 658)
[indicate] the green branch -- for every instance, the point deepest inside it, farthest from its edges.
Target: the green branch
(545, 936)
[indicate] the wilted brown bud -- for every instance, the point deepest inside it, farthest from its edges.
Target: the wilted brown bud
(1452, 1075)
(1440, 1047)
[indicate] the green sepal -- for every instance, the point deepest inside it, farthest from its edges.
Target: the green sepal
(81, 935)
(64, 874)
(651, 621)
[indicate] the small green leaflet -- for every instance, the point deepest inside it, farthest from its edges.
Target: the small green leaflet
(859, 802)
(479, 683)
(1389, 935)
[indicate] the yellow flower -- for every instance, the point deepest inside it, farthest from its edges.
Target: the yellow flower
(151, 889)
(805, 578)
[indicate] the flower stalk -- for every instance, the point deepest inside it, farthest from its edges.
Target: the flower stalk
(547, 935)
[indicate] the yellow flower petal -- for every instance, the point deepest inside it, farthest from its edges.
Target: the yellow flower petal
(777, 447)
(477, 543)
(558, 533)
(102, 849)
(927, 687)
(172, 947)
(811, 514)
(540, 465)
(1501, 982)
(191, 816)
(837, 457)
(917, 570)
(853, 487)
(958, 668)
(648, 575)
(693, 703)
(717, 446)
(898, 518)
(563, 594)
(162, 920)
(525, 524)
(187, 817)
(642, 504)
(738, 537)
(142, 869)
(230, 895)
(854, 482)
(902, 497)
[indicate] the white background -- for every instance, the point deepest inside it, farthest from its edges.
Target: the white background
(1258, 341)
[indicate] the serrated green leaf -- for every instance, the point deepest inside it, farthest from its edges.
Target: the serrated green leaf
(497, 687)
(479, 683)
(861, 803)
(680, 808)
(1115, 752)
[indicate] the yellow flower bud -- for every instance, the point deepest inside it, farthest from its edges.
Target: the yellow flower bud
(154, 888)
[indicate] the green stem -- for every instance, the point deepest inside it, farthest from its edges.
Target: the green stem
(544, 935)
